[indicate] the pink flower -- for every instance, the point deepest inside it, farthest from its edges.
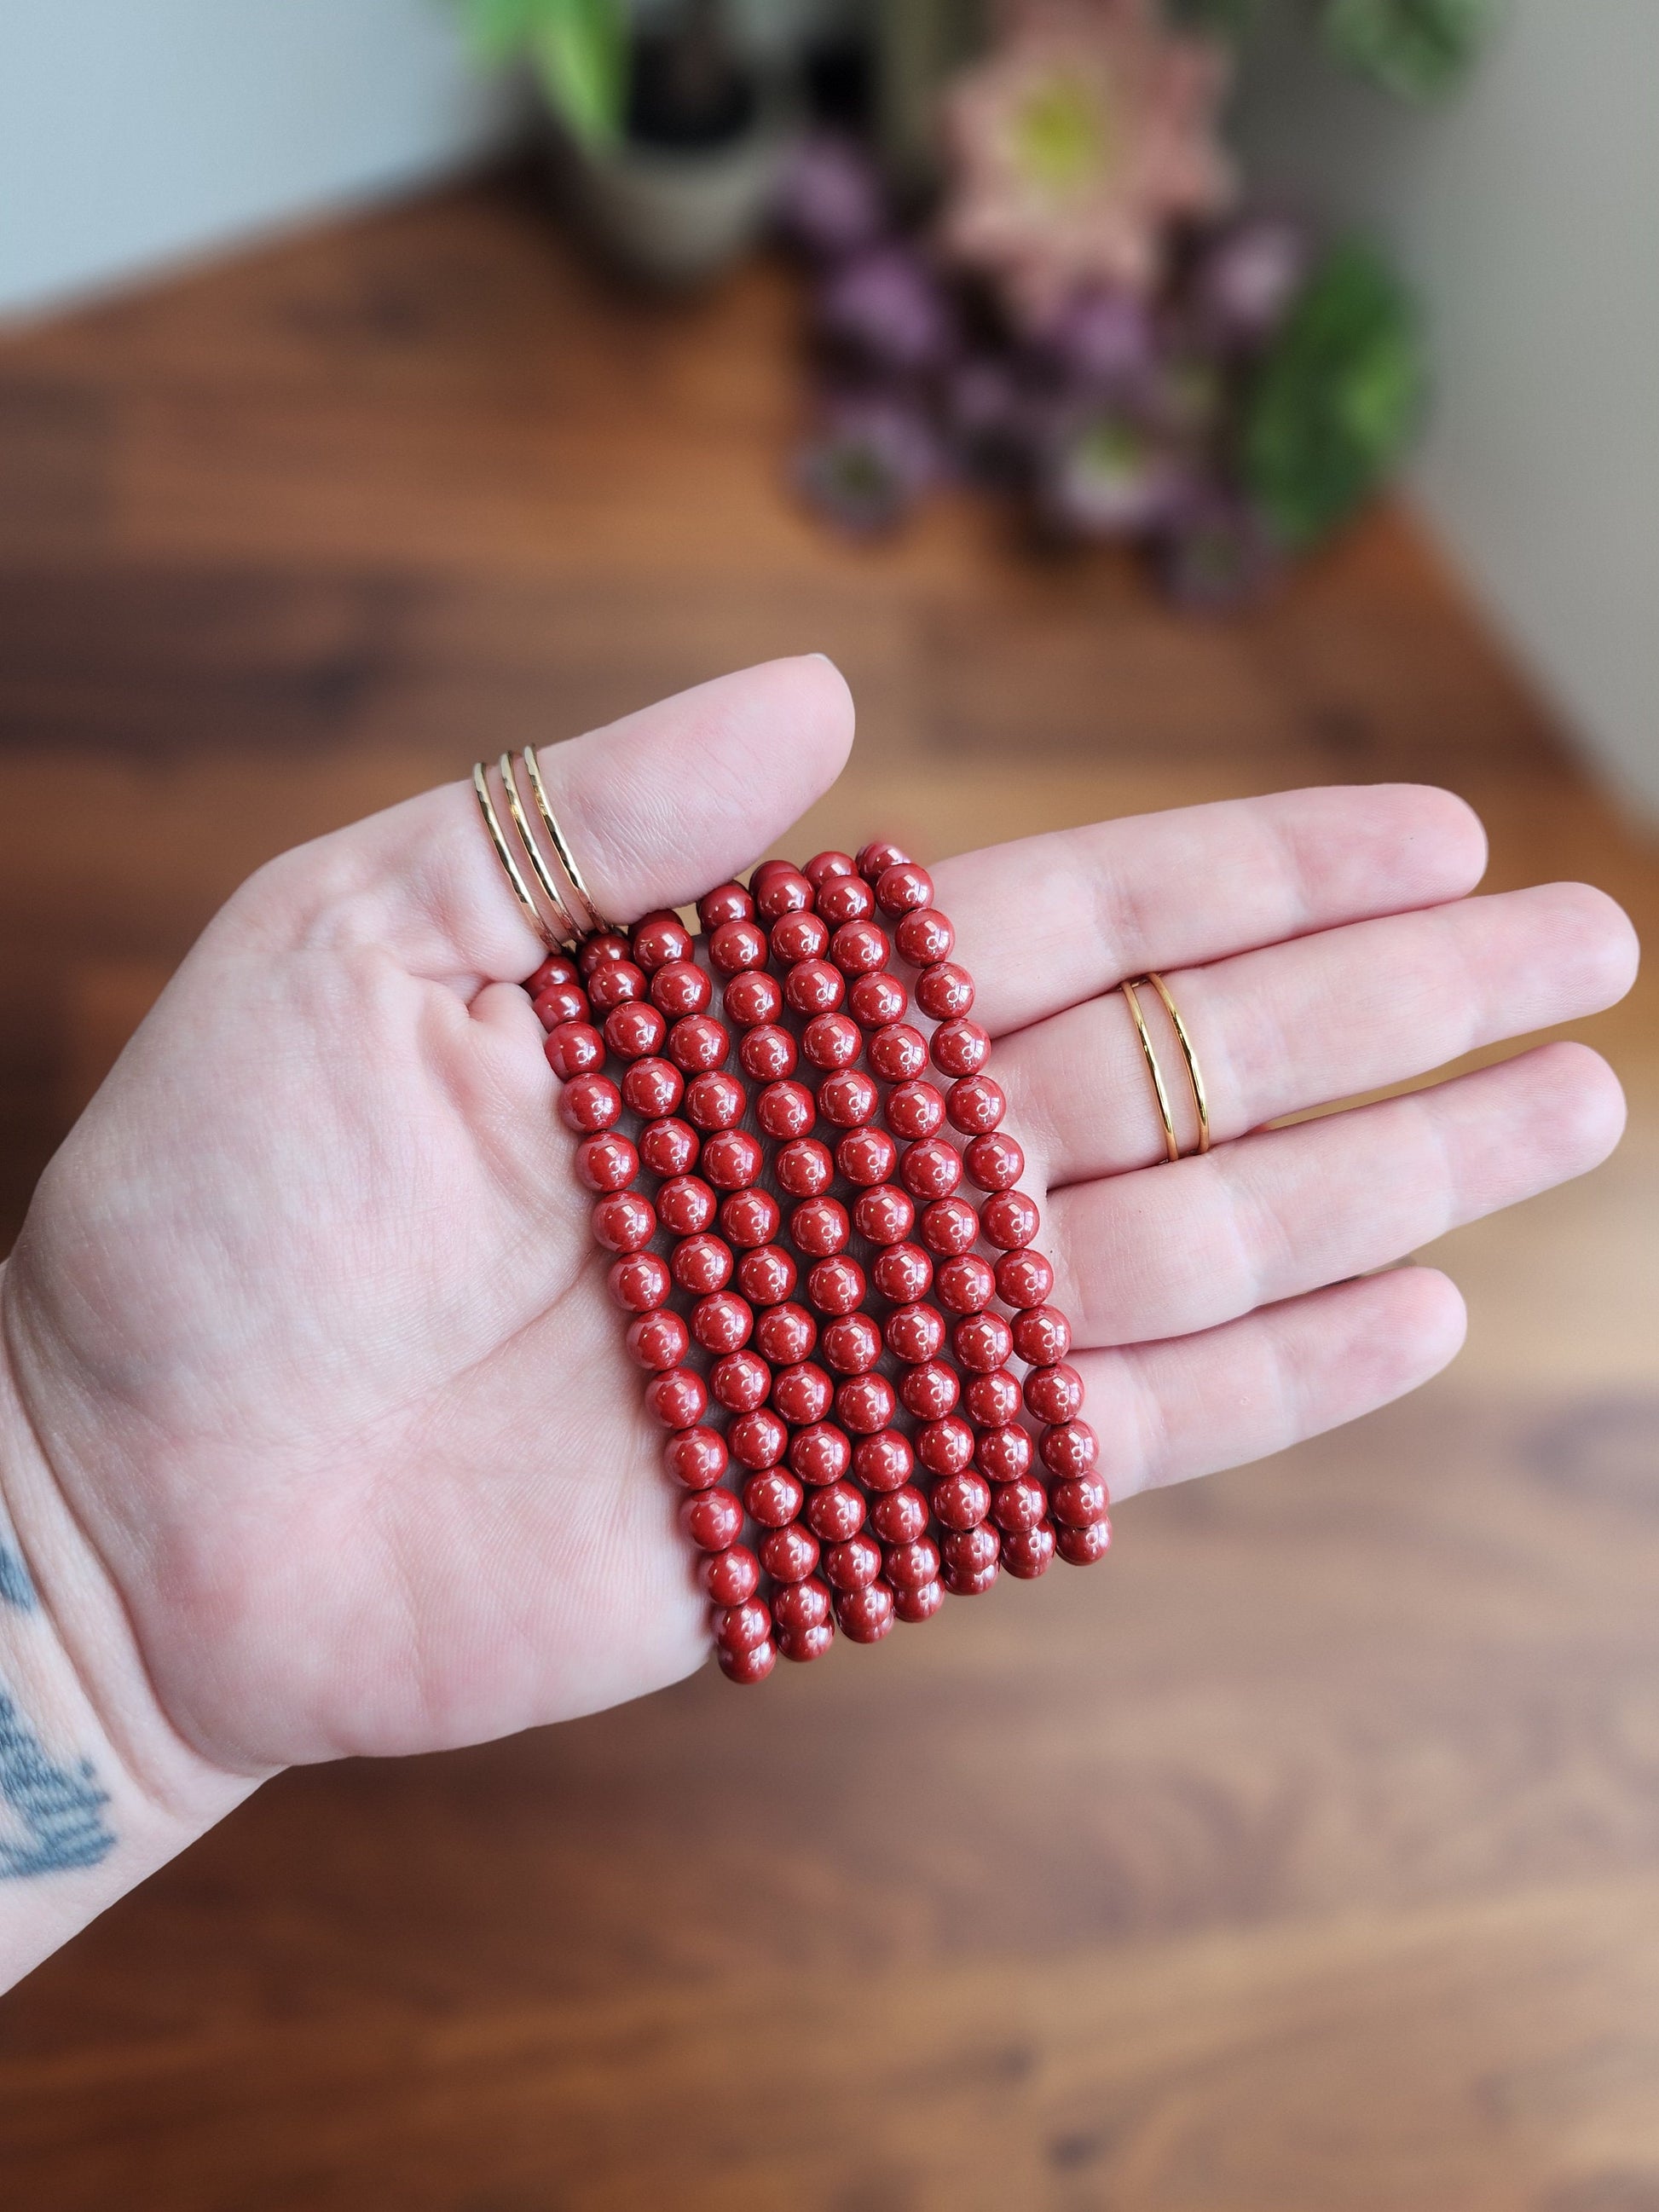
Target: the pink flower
(1077, 146)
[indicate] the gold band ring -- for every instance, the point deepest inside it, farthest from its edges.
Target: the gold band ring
(561, 915)
(515, 874)
(567, 858)
(565, 929)
(1194, 1074)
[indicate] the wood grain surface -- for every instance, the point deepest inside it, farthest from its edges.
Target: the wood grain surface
(1304, 1857)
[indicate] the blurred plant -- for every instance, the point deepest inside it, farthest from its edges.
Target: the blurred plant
(870, 459)
(577, 49)
(1419, 49)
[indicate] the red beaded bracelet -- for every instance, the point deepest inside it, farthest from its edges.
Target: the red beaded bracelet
(826, 1258)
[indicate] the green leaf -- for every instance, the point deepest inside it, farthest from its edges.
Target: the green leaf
(1336, 399)
(577, 48)
(1419, 49)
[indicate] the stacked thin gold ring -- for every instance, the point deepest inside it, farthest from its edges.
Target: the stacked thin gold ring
(566, 927)
(1194, 1075)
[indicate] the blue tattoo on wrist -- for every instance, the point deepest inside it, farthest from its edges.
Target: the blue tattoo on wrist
(58, 1809)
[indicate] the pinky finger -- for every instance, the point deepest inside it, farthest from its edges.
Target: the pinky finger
(1192, 1405)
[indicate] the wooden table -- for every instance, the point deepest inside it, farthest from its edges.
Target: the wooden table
(1306, 1857)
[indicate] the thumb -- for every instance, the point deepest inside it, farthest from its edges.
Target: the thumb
(656, 808)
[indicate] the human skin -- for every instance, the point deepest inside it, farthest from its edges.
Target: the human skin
(317, 1432)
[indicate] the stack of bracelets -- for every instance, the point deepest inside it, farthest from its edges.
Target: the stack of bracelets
(813, 1245)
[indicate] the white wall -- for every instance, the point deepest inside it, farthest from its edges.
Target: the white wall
(134, 133)
(1528, 211)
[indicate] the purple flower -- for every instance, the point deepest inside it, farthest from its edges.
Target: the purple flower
(1110, 478)
(1215, 553)
(870, 461)
(1244, 280)
(888, 308)
(1099, 340)
(830, 201)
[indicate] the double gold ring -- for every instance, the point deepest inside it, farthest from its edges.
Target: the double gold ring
(1194, 1077)
(573, 912)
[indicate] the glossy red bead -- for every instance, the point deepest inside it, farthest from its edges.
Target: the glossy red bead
(904, 888)
(772, 1498)
(1083, 1547)
(790, 1554)
(845, 898)
(669, 1147)
(658, 939)
(917, 1604)
(814, 986)
(614, 983)
(803, 1393)
(1070, 1448)
(821, 1452)
(981, 1341)
(696, 1458)
(1028, 1553)
(701, 1264)
(1042, 1335)
(713, 1520)
(994, 1161)
(1078, 1500)
(1005, 1453)
(832, 1040)
(736, 945)
(848, 1098)
(731, 1159)
(970, 1552)
(819, 1226)
(658, 1339)
(638, 1282)
(885, 1215)
(897, 1052)
(975, 1104)
(763, 871)
(991, 1400)
(766, 1276)
(686, 1205)
(865, 1616)
(913, 1109)
(949, 1225)
(786, 1334)
(722, 1321)
(730, 1577)
(573, 1049)
(961, 1501)
(912, 1566)
(965, 1284)
(930, 1389)
(925, 937)
(698, 1041)
(589, 1103)
(915, 1332)
(758, 1439)
(876, 1001)
(725, 903)
(1010, 1219)
(750, 1217)
(740, 1380)
(851, 1344)
(902, 1272)
(854, 1564)
(884, 1460)
(680, 987)
(654, 1087)
(859, 948)
(826, 864)
(1023, 1279)
(865, 1404)
(802, 1606)
(960, 1047)
(835, 1512)
(767, 1053)
(1055, 1394)
(752, 999)
(1020, 1504)
(556, 968)
(741, 1627)
(714, 1101)
(635, 1030)
(944, 991)
(623, 1221)
(785, 1109)
(604, 944)
(785, 891)
(875, 859)
(804, 1167)
(836, 1285)
(607, 1160)
(866, 1156)
(678, 1399)
(798, 937)
(561, 1002)
(900, 1517)
(945, 1446)
(747, 1667)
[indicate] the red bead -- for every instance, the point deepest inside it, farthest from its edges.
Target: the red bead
(556, 968)
(903, 1272)
(766, 1276)
(722, 1321)
(813, 987)
(970, 1552)
(767, 1053)
(981, 1341)
(798, 937)
(746, 1667)
(1010, 1219)
(752, 998)
(897, 1052)
(945, 1446)
(715, 1100)
(820, 1454)
(1042, 1335)
(758, 1439)
(772, 1498)
(949, 1225)
(573, 1049)
(993, 1400)
(904, 888)
(740, 1380)
(730, 1577)
(561, 1002)
(964, 1285)
(606, 1162)
(836, 1285)
(1083, 1547)
(763, 871)
(1070, 1448)
(614, 983)
(713, 1520)
(1079, 1501)
(638, 1282)
(848, 1098)
(698, 1042)
(865, 1404)
(701, 1264)
(623, 1221)
(604, 944)
(915, 1332)
(802, 1606)
(876, 1002)
(901, 1517)
(750, 1217)
(854, 1564)
(819, 1226)
(1020, 1504)
(865, 1616)
(1055, 1394)
(654, 1087)
(925, 937)
(1023, 1279)
(804, 1168)
(826, 864)
(1028, 1553)
(961, 1501)
(866, 1157)
(960, 1047)
(944, 991)
(790, 1554)
(1005, 1453)
(994, 1161)
(835, 1512)
(845, 898)
(725, 903)
(731, 1159)
(660, 938)
(785, 891)
(658, 1339)
(929, 1389)
(859, 948)
(852, 1344)
(975, 1104)
(885, 1215)
(832, 1040)
(912, 1565)
(678, 1399)
(874, 859)
(741, 1627)
(669, 1147)
(696, 1458)
(589, 1101)
(686, 1205)
(785, 1109)
(635, 1029)
(736, 945)
(913, 1109)
(930, 1169)
(680, 987)
(802, 1394)
(884, 1461)
(786, 1334)
(919, 1604)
